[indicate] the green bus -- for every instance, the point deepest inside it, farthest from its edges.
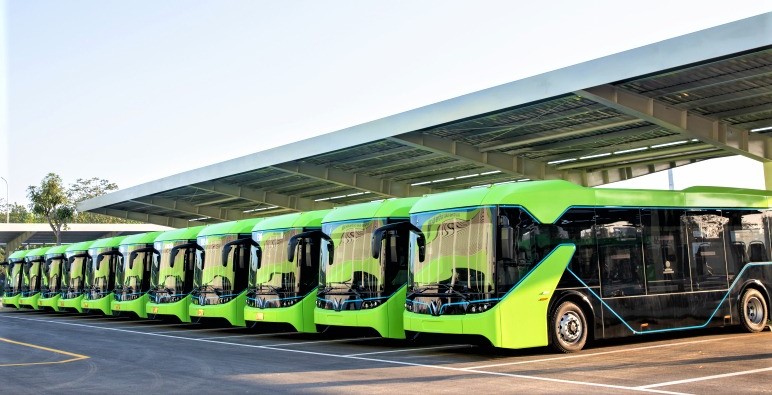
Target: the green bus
(31, 279)
(73, 276)
(100, 274)
(284, 277)
(552, 263)
(51, 280)
(222, 269)
(132, 277)
(355, 289)
(171, 274)
(13, 281)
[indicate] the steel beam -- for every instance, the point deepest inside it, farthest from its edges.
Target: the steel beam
(191, 209)
(708, 130)
(622, 134)
(294, 203)
(378, 186)
(548, 135)
(172, 222)
(17, 241)
(517, 167)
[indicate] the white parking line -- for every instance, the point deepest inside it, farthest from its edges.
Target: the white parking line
(384, 361)
(411, 349)
(251, 335)
(716, 376)
(199, 330)
(352, 339)
(584, 355)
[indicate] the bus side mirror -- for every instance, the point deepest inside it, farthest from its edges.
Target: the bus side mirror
(377, 240)
(100, 257)
(295, 240)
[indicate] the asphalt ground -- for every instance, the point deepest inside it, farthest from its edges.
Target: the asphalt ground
(45, 352)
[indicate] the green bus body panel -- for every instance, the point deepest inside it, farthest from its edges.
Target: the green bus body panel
(37, 252)
(386, 319)
(141, 238)
(232, 227)
(378, 209)
(518, 321)
(107, 242)
(78, 247)
(102, 304)
(294, 220)
(179, 308)
(548, 200)
(57, 249)
(300, 315)
(180, 234)
(233, 310)
(18, 254)
(73, 304)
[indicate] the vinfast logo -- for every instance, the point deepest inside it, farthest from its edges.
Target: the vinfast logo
(201, 299)
(434, 307)
(337, 304)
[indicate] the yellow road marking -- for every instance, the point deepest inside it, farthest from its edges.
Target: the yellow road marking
(75, 357)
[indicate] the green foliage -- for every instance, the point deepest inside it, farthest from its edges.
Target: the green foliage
(50, 200)
(83, 189)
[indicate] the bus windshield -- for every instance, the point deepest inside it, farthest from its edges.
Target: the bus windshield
(52, 274)
(31, 278)
(13, 284)
(100, 273)
(221, 268)
(132, 277)
(352, 269)
(459, 252)
(171, 278)
(272, 272)
(73, 273)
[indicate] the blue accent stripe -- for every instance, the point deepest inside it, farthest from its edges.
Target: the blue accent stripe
(635, 332)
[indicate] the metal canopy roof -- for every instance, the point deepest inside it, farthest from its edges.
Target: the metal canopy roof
(668, 104)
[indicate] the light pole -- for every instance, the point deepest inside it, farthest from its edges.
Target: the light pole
(7, 203)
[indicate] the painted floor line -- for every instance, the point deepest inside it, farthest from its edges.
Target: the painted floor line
(198, 330)
(248, 335)
(75, 357)
(590, 354)
(384, 361)
(412, 349)
(713, 377)
(351, 339)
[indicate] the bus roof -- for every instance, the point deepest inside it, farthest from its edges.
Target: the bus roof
(378, 209)
(37, 252)
(18, 254)
(57, 249)
(107, 242)
(547, 200)
(232, 227)
(181, 234)
(308, 219)
(82, 246)
(141, 238)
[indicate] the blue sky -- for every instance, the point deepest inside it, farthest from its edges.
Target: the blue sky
(133, 91)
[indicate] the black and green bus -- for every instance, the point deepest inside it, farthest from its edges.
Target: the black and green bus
(52, 281)
(285, 274)
(548, 262)
(357, 289)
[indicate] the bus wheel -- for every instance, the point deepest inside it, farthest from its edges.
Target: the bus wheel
(569, 328)
(753, 311)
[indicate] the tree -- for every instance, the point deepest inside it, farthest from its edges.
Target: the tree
(84, 189)
(50, 200)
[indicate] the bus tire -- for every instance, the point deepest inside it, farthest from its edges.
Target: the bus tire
(753, 311)
(568, 328)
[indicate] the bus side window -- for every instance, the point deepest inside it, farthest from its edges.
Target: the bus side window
(705, 234)
(665, 251)
(747, 232)
(618, 233)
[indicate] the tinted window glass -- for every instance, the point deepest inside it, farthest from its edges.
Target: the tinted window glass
(707, 252)
(619, 241)
(577, 226)
(665, 251)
